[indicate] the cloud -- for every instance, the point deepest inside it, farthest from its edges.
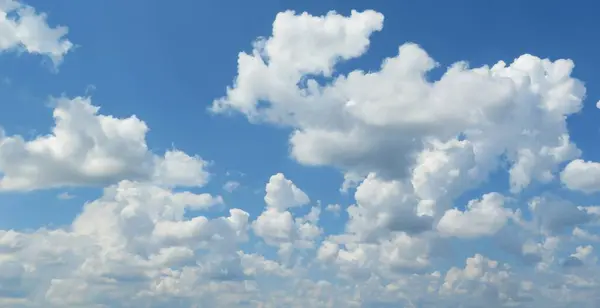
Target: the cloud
(155, 237)
(378, 121)
(278, 227)
(582, 176)
(177, 168)
(125, 238)
(86, 148)
(21, 27)
(482, 218)
(283, 193)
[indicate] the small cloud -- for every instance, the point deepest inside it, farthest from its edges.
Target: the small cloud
(65, 196)
(230, 186)
(598, 104)
(334, 208)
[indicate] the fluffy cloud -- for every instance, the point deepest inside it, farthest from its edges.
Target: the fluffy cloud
(86, 148)
(410, 149)
(21, 27)
(131, 234)
(582, 175)
(482, 217)
(377, 121)
(277, 226)
(283, 193)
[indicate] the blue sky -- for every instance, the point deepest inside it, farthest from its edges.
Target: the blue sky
(168, 64)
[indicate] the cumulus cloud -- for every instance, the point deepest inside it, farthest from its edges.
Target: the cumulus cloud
(377, 121)
(407, 156)
(21, 27)
(126, 238)
(86, 148)
(582, 176)
(283, 193)
(277, 226)
(482, 217)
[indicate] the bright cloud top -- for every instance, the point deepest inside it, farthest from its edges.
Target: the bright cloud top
(409, 149)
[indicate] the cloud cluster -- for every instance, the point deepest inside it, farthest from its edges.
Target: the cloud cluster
(410, 148)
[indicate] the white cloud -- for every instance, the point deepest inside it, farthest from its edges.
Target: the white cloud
(177, 168)
(21, 27)
(386, 206)
(283, 194)
(582, 176)
(275, 226)
(278, 227)
(363, 122)
(481, 218)
(291, 53)
(86, 148)
(482, 278)
(129, 236)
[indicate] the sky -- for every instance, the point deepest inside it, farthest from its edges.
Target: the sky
(299, 154)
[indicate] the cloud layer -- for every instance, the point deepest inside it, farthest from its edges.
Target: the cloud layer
(410, 149)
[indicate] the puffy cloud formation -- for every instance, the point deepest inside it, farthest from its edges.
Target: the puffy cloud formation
(21, 27)
(283, 194)
(121, 245)
(582, 176)
(411, 150)
(378, 121)
(87, 148)
(482, 217)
